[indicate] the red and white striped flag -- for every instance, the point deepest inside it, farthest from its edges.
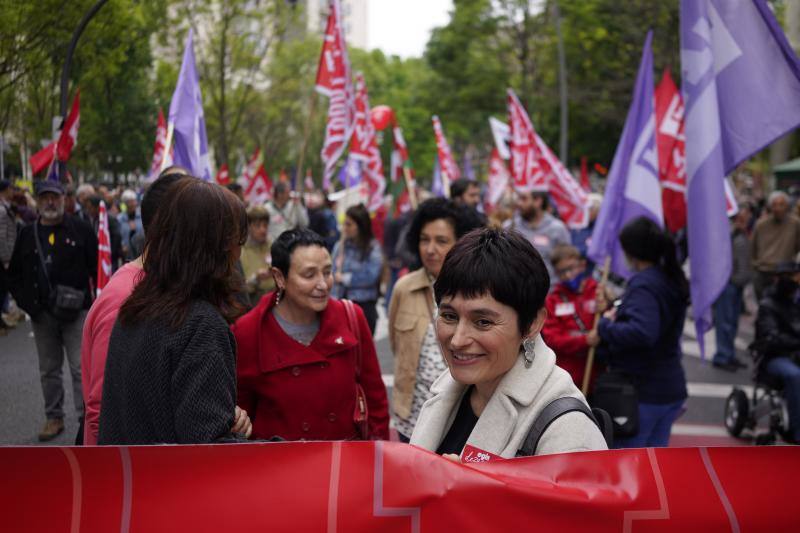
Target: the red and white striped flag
(259, 190)
(364, 146)
(499, 178)
(569, 197)
(450, 171)
(69, 131)
(160, 149)
(671, 142)
(250, 169)
(334, 81)
(525, 169)
(103, 250)
(223, 177)
(399, 161)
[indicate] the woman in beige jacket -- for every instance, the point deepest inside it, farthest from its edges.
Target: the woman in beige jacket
(435, 228)
(501, 376)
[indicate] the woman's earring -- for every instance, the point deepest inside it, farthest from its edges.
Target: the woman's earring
(528, 345)
(278, 296)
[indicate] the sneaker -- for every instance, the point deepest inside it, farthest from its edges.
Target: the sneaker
(52, 428)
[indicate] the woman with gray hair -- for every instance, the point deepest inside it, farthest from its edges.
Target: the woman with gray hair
(502, 393)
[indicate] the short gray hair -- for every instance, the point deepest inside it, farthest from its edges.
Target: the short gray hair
(774, 195)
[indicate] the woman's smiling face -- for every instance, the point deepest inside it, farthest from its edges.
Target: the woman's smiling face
(479, 338)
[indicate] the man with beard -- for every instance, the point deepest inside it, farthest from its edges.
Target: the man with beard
(52, 280)
(542, 229)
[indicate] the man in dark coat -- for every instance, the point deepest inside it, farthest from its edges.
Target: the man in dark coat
(65, 256)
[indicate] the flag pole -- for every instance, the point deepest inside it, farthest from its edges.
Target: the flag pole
(312, 107)
(412, 192)
(167, 144)
(590, 358)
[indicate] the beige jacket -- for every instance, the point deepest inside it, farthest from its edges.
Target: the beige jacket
(510, 413)
(409, 317)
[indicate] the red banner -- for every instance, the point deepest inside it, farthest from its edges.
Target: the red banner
(43, 158)
(450, 172)
(383, 486)
(526, 171)
(103, 250)
(671, 142)
(69, 130)
(499, 179)
(160, 148)
(223, 176)
(364, 146)
(333, 80)
(259, 190)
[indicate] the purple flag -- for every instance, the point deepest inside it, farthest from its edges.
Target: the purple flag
(186, 118)
(351, 172)
(632, 188)
(437, 186)
(741, 88)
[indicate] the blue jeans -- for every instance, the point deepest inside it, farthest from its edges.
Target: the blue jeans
(727, 310)
(789, 373)
(655, 425)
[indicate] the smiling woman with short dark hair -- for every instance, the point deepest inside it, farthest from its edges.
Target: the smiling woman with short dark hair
(501, 376)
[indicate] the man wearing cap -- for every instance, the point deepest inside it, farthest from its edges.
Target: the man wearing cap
(52, 280)
(778, 337)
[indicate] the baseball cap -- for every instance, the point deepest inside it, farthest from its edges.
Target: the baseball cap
(49, 186)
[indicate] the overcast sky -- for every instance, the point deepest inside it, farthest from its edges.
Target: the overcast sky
(402, 27)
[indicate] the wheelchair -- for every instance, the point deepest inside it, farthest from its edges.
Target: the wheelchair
(766, 407)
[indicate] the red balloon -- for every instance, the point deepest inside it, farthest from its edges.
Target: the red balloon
(382, 117)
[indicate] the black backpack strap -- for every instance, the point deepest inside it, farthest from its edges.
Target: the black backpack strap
(552, 411)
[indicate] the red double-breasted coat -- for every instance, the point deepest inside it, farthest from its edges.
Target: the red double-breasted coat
(307, 392)
(561, 330)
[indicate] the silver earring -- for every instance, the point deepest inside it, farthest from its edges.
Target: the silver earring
(278, 296)
(528, 345)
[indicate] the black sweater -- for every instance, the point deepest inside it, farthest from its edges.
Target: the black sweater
(170, 386)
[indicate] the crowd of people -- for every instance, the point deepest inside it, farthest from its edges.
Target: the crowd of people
(226, 322)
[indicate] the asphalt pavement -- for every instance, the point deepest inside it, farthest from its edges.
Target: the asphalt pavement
(22, 408)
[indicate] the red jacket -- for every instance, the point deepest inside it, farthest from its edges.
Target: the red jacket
(307, 392)
(561, 331)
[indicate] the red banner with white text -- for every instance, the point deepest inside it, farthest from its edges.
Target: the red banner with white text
(388, 487)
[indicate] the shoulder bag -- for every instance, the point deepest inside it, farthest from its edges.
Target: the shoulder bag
(65, 302)
(361, 412)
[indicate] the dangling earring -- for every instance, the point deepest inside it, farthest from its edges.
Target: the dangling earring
(528, 345)
(278, 296)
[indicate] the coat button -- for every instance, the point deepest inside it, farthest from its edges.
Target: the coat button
(296, 371)
(332, 417)
(306, 426)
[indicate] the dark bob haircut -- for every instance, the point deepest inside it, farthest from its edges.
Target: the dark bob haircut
(463, 220)
(499, 263)
(285, 244)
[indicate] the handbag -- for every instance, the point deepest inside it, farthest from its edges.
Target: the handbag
(361, 410)
(65, 302)
(615, 393)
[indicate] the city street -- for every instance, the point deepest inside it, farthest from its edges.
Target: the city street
(21, 405)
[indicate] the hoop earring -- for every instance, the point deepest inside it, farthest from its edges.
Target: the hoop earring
(528, 346)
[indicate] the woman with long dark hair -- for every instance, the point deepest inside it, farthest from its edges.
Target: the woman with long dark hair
(642, 337)
(171, 369)
(357, 265)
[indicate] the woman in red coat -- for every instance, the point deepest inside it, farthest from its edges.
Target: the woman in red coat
(297, 354)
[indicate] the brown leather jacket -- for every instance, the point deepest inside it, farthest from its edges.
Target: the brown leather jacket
(409, 316)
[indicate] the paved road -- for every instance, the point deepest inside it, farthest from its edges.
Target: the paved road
(21, 405)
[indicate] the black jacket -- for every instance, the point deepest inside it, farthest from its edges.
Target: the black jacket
(74, 263)
(778, 325)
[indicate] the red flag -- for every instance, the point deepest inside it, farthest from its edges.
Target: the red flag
(223, 177)
(525, 169)
(450, 172)
(103, 250)
(43, 158)
(671, 152)
(251, 169)
(333, 80)
(499, 178)
(364, 147)
(569, 198)
(259, 191)
(585, 174)
(402, 197)
(283, 176)
(160, 148)
(69, 131)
